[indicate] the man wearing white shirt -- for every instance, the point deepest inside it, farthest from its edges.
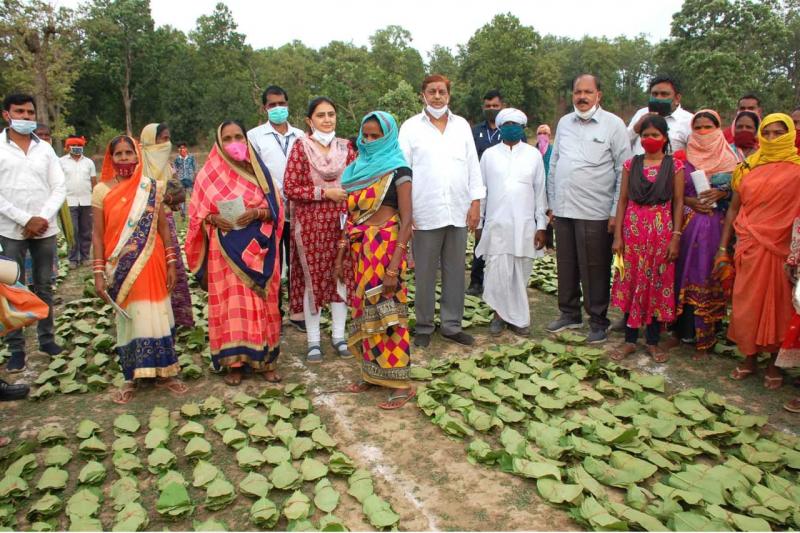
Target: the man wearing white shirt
(515, 219)
(440, 150)
(665, 100)
(31, 194)
(80, 176)
(273, 141)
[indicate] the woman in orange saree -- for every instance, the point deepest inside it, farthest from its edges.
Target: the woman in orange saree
(762, 217)
(238, 260)
(134, 268)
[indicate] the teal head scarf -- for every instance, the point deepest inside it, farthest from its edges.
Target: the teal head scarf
(375, 158)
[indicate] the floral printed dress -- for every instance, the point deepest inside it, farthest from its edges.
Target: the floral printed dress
(647, 291)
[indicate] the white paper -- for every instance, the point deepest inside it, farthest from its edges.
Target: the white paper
(9, 271)
(701, 183)
(231, 210)
(341, 290)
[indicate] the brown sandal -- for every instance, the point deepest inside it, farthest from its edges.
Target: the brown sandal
(233, 378)
(773, 382)
(793, 406)
(175, 386)
(124, 395)
(358, 387)
(739, 373)
(271, 376)
(398, 399)
(627, 349)
(658, 355)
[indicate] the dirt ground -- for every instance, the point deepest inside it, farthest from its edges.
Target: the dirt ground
(421, 472)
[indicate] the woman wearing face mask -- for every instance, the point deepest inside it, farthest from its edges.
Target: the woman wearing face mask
(376, 237)
(701, 301)
(134, 267)
(543, 138)
(647, 235)
(745, 129)
(238, 261)
(313, 184)
(156, 151)
(764, 206)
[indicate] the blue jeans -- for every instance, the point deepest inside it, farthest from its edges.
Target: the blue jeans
(42, 254)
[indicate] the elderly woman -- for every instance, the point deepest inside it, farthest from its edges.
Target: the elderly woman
(762, 219)
(701, 301)
(235, 223)
(515, 219)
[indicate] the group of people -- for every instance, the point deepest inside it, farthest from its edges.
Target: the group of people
(665, 200)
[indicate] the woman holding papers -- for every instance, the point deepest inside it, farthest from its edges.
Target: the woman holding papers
(707, 193)
(313, 185)
(235, 223)
(764, 206)
(134, 267)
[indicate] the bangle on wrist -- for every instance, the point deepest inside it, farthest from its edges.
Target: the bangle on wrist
(392, 273)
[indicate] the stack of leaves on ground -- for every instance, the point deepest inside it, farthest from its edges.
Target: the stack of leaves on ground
(264, 462)
(608, 444)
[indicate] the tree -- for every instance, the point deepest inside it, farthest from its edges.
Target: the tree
(391, 51)
(402, 102)
(442, 61)
(119, 34)
(41, 56)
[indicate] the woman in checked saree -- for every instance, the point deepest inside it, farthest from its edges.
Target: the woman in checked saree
(238, 260)
(376, 235)
(134, 268)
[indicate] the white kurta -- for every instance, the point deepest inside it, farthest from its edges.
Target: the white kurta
(515, 208)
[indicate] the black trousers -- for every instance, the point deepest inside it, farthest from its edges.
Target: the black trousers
(583, 257)
(284, 251)
(652, 332)
(478, 265)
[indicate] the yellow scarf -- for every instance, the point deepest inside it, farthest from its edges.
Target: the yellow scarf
(774, 151)
(155, 157)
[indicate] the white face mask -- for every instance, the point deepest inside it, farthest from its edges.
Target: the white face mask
(586, 115)
(436, 113)
(325, 139)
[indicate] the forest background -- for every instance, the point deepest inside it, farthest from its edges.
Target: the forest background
(106, 68)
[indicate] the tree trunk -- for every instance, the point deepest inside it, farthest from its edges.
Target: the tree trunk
(127, 99)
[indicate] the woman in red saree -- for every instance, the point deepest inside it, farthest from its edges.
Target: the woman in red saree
(238, 260)
(762, 217)
(134, 267)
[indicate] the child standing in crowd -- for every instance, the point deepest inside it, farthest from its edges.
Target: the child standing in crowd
(649, 211)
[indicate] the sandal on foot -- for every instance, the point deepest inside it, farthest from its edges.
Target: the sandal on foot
(175, 386)
(314, 354)
(739, 373)
(341, 349)
(4, 441)
(793, 406)
(658, 355)
(627, 349)
(358, 387)
(233, 378)
(271, 376)
(124, 395)
(773, 382)
(397, 399)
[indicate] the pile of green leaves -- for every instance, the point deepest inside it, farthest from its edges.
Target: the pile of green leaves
(582, 429)
(269, 458)
(544, 276)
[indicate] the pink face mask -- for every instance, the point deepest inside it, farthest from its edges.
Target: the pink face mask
(237, 150)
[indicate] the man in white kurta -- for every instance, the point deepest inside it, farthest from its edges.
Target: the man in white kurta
(514, 223)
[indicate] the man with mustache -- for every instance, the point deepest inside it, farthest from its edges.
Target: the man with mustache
(590, 147)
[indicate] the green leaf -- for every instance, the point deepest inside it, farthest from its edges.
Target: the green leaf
(219, 494)
(160, 460)
(124, 491)
(341, 464)
(299, 446)
(190, 430)
(223, 422)
(297, 507)
(420, 373)
(278, 410)
(156, 438)
(251, 416)
(243, 400)
(125, 443)
(311, 469)
(13, 488)
(174, 501)
(255, 485)
(482, 394)
(506, 414)
(45, 507)
(125, 462)
(87, 428)
(379, 512)
(309, 423)
(53, 478)
(264, 513)
(536, 470)
(321, 437)
(92, 474)
(212, 406)
(326, 498)
(57, 456)
(636, 517)
(598, 517)
(51, 434)
(126, 423)
(249, 458)
(234, 438)
(190, 410)
(84, 503)
(277, 454)
(554, 491)
(204, 473)
(285, 477)
(210, 525)
(360, 485)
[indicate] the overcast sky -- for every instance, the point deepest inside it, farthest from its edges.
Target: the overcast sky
(445, 22)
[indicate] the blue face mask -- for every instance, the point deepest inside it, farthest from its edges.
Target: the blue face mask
(512, 132)
(278, 115)
(23, 127)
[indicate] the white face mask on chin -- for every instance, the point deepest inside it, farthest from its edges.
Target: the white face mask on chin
(325, 139)
(436, 113)
(586, 115)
